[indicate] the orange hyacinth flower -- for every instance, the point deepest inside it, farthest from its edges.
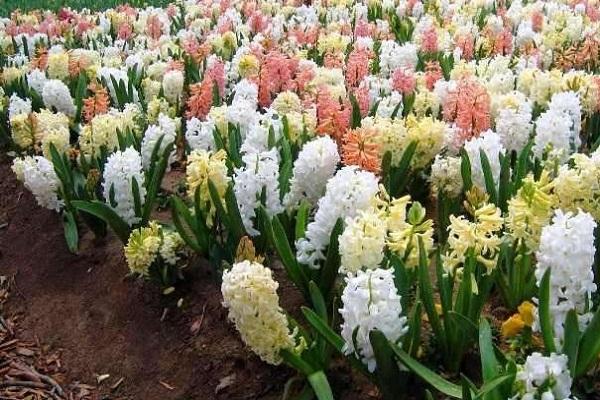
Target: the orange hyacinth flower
(200, 100)
(360, 148)
(97, 103)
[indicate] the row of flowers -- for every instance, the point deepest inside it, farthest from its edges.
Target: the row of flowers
(427, 174)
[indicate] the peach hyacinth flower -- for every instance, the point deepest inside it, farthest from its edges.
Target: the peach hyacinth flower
(468, 106)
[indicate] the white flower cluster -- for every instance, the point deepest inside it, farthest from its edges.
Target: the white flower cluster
(350, 190)
(242, 111)
(199, 134)
(260, 172)
(557, 130)
(362, 243)
(250, 294)
(167, 129)
(393, 56)
(491, 143)
(39, 177)
(315, 165)
(445, 175)
(388, 104)
(567, 247)
(56, 96)
(121, 168)
(370, 301)
(513, 122)
(18, 106)
(544, 378)
(172, 84)
(36, 79)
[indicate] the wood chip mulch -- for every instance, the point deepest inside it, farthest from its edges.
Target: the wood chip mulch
(28, 369)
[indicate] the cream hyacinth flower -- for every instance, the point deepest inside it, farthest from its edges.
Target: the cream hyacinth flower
(250, 294)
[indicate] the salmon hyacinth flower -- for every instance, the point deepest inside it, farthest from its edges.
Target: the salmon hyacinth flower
(404, 81)
(468, 106)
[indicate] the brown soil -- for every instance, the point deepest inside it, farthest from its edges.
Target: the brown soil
(103, 322)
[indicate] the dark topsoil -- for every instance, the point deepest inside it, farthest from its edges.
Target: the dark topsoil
(103, 322)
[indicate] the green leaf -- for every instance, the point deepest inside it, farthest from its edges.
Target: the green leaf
(387, 371)
(504, 187)
(435, 380)
(135, 189)
(544, 313)
(492, 385)
(320, 385)
(489, 364)
(426, 291)
(400, 174)
(104, 212)
(356, 118)
(332, 338)
(286, 255)
(302, 219)
(589, 346)
(216, 199)
(71, 233)
(318, 301)
(293, 360)
(332, 262)
(465, 170)
(181, 213)
(157, 172)
(236, 225)
(572, 336)
(490, 185)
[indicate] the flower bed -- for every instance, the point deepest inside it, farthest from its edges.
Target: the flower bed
(417, 169)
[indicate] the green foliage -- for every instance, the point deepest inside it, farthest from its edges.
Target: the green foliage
(8, 6)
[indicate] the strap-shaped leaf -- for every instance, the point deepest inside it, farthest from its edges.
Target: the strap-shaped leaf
(135, 190)
(103, 211)
(288, 258)
(157, 172)
(571, 343)
(318, 301)
(320, 385)
(333, 339)
(489, 364)
(400, 174)
(426, 291)
(356, 117)
(589, 346)
(71, 233)
(435, 380)
(544, 313)
(332, 262)
(465, 170)
(302, 219)
(180, 213)
(490, 185)
(295, 361)
(387, 371)
(236, 225)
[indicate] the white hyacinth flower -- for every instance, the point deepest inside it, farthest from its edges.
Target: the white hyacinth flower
(370, 301)
(121, 168)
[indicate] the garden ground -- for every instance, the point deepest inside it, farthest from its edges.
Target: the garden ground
(86, 313)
